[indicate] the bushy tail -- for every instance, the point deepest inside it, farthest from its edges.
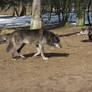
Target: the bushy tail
(9, 47)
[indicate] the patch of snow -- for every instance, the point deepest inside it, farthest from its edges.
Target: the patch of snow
(6, 20)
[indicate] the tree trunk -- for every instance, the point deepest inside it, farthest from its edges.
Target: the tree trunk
(58, 12)
(89, 4)
(51, 8)
(80, 21)
(88, 18)
(64, 18)
(36, 22)
(15, 11)
(23, 11)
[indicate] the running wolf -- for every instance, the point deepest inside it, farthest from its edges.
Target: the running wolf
(18, 39)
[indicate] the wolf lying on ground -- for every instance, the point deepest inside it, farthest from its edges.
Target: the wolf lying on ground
(18, 39)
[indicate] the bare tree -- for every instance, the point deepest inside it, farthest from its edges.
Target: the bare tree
(36, 22)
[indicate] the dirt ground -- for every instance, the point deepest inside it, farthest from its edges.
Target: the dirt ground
(69, 69)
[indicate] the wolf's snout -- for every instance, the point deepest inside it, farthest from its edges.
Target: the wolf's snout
(58, 46)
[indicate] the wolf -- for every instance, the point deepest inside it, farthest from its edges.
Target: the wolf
(18, 39)
(90, 34)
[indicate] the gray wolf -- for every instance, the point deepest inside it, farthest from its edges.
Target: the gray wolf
(18, 39)
(90, 34)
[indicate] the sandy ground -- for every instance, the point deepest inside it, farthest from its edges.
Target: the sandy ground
(68, 69)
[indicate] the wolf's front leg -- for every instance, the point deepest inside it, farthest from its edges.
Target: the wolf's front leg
(42, 50)
(38, 51)
(19, 48)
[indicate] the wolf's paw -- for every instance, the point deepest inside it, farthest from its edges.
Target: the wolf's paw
(22, 56)
(36, 54)
(45, 58)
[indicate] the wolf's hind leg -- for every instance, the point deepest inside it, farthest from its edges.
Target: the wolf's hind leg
(9, 47)
(38, 51)
(19, 48)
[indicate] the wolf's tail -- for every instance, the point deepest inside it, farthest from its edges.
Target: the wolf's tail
(9, 47)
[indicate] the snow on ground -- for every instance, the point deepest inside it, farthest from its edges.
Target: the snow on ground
(6, 20)
(14, 21)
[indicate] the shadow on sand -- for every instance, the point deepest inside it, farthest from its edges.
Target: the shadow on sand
(46, 54)
(70, 34)
(85, 41)
(57, 54)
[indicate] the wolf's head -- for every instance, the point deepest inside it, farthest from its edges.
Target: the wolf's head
(53, 39)
(56, 41)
